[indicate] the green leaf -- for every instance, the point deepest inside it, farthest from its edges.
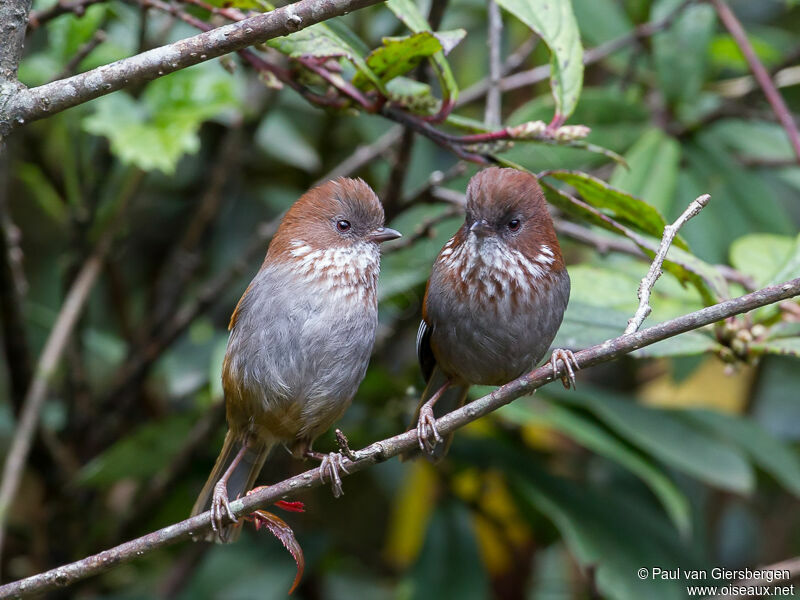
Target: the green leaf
(141, 454)
(554, 22)
(408, 12)
(681, 52)
(652, 173)
(768, 452)
(666, 437)
(623, 207)
(589, 435)
(320, 40)
(784, 346)
(761, 256)
(449, 565)
(155, 131)
(281, 140)
(680, 264)
(398, 55)
(602, 300)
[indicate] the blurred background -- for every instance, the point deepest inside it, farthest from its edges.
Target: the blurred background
(684, 454)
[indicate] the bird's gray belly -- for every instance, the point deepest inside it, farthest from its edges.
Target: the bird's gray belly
(491, 345)
(300, 358)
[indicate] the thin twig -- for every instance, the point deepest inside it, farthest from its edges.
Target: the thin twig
(37, 18)
(649, 280)
(45, 369)
(388, 448)
(392, 191)
(98, 38)
(774, 97)
(363, 155)
(492, 117)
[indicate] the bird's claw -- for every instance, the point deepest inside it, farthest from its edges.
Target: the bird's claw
(570, 364)
(426, 428)
(329, 465)
(221, 508)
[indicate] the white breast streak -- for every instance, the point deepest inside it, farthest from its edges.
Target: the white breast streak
(484, 266)
(341, 271)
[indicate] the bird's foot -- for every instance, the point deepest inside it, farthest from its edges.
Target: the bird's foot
(329, 467)
(570, 364)
(221, 511)
(427, 433)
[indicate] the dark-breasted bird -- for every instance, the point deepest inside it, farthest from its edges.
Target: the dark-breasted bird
(300, 339)
(495, 299)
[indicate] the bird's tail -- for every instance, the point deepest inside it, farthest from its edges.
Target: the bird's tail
(239, 483)
(452, 398)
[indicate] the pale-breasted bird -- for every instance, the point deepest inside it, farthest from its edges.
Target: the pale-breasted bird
(300, 339)
(495, 299)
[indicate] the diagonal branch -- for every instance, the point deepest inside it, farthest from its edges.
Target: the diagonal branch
(774, 97)
(388, 448)
(36, 103)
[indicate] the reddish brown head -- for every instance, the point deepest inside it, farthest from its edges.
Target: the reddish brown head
(508, 206)
(342, 213)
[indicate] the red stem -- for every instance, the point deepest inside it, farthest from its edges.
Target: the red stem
(739, 35)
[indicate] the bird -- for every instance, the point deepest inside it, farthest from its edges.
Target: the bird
(300, 340)
(494, 301)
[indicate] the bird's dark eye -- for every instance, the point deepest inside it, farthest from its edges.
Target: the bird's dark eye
(514, 224)
(343, 225)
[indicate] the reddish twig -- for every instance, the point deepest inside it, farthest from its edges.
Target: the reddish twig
(774, 97)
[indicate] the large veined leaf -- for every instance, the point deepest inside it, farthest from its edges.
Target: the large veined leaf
(609, 532)
(761, 255)
(768, 452)
(668, 438)
(554, 22)
(622, 206)
(589, 435)
(679, 263)
(652, 175)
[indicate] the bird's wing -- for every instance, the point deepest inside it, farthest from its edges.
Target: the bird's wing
(424, 352)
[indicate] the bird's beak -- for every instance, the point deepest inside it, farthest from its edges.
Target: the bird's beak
(481, 228)
(384, 234)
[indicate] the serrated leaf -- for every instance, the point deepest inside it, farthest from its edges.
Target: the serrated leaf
(408, 12)
(321, 41)
(555, 23)
(582, 431)
(398, 55)
(622, 206)
(156, 130)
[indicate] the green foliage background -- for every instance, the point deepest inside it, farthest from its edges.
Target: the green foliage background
(684, 455)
